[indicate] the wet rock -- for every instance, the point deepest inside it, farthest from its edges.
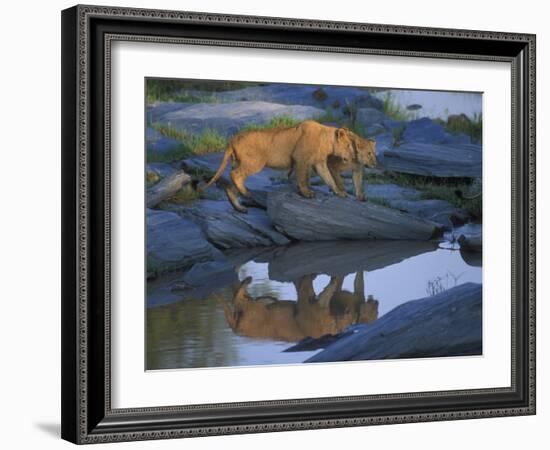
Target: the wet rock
(447, 324)
(226, 228)
(456, 160)
(174, 242)
(327, 217)
(229, 118)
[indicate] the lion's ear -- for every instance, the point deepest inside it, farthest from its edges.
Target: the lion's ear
(341, 133)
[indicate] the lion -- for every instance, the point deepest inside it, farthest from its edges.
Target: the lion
(312, 315)
(302, 147)
(364, 154)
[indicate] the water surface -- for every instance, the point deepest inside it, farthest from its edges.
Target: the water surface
(436, 104)
(248, 310)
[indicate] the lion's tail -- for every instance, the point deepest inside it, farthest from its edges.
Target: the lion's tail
(228, 153)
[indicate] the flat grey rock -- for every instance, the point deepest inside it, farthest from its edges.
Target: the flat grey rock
(174, 242)
(227, 118)
(447, 324)
(327, 217)
(451, 160)
(226, 228)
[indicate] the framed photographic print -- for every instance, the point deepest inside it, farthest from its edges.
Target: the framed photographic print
(280, 224)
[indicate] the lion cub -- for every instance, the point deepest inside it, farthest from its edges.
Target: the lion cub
(302, 147)
(364, 154)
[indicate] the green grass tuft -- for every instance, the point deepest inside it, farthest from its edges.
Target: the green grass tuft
(275, 122)
(189, 144)
(207, 142)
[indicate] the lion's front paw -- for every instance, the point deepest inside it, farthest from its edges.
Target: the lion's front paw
(362, 198)
(342, 194)
(308, 194)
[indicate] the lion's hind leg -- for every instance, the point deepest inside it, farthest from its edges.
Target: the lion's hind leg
(238, 176)
(233, 197)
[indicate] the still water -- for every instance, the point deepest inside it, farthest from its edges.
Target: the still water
(436, 104)
(249, 309)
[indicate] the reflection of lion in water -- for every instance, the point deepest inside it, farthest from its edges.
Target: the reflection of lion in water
(314, 316)
(302, 147)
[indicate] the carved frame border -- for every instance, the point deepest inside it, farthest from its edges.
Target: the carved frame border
(76, 426)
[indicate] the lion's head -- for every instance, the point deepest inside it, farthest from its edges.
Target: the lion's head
(343, 147)
(365, 150)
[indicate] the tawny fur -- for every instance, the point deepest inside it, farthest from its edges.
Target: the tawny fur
(364, 155)
(330, 312)
(302, 147)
